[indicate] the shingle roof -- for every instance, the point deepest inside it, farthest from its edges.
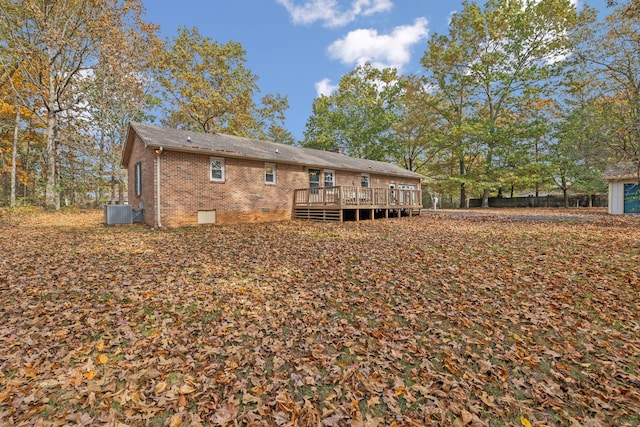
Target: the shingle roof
(621, 170)
(247, 148)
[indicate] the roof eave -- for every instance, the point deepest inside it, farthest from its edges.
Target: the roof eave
(196, 150)
(128, 146)
(621, 178)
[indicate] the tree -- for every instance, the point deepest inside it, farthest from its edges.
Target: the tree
(630, 8)
(576, 156)
(419, 130)
(447, 63)
(119, 90)
(579, 152)
(207, 88)
(16, 124)
(270, 120)
(359, 116)
(63, 41)
(532, 157)
(496, 59)
(610, 54)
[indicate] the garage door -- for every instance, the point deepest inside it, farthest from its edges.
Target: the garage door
(632, 198)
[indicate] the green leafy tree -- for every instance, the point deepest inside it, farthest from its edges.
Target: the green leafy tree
(447, 63)
(532, 163)
(359, 116)
(497, 58)
(576, 158)
(417, 129)
(207, 88)
(270, 120)
(579, 151)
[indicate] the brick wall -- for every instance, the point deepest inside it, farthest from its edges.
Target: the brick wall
(242, 197)
(147, 157)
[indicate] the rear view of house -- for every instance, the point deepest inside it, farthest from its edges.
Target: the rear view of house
(181, 177)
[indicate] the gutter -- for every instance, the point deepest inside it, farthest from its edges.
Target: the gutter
(158, 152)
(242, 156)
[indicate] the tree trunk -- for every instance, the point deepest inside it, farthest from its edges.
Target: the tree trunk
(101, 157)
(485, 198)
(463, 190)
(51, 193)
(57, 194)
(26, 169)
(14, 157)
(565, 194)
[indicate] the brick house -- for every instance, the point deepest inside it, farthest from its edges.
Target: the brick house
(181, 177)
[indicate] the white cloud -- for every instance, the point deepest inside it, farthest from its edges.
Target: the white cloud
(381, 50)
(332, 13)
(324, 87)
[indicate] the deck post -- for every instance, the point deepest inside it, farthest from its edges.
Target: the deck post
(329, 203)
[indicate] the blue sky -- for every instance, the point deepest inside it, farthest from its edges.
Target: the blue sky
(301, 48)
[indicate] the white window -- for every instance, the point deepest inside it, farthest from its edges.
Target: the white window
(217, 169)
(314, 178)
(364, 181)
(137, 178)
(329, 178)
(269, 173)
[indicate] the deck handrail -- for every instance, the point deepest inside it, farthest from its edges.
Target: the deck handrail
(345, 197)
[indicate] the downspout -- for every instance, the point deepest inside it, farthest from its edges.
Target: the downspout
(158, 187)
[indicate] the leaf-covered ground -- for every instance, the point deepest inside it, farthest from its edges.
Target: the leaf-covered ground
(528, 317)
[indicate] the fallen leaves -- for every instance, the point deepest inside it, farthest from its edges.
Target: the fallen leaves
(435, 320)
(524, 421)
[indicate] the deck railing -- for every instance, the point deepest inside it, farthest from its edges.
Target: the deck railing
(345, 197)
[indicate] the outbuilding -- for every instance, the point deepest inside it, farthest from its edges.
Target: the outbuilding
(624, 187)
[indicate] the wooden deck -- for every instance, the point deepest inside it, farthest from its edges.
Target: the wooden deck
(355, 203)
